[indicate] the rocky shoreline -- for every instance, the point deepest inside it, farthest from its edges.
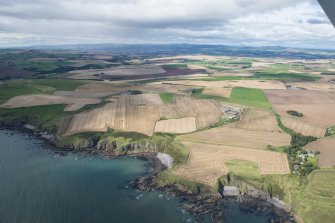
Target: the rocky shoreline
(200, 205)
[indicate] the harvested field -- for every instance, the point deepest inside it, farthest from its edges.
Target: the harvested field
(122, 71)
(230, 136)
(199, 83)
(178, 126)
(264, 85)
(283, 97)
(206, 162)
(258, 120)
(327, 150)
(303, 128)
(119, 115)
(74, 104)
(231, 74)
(223, 92)
(75, 94)
(315, 105)
(205, 112)
(314, 86)
(145, 99)
(159, 87)
(134, 70)
(316, 114)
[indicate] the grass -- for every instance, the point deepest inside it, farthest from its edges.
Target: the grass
(60, 84)
(246, 171)
(8, 91)
(318, 200)
(285, 76)
(43, 117)
(330, 131)
(216, 68)
(167, 178)
(167, 98)
(245, 96)
(14, 88)
(250, 97)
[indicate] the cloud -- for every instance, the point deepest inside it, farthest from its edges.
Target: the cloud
(251, 22)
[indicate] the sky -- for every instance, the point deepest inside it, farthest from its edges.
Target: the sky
(290, 23)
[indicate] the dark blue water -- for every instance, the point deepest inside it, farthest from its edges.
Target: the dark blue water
(37, 186)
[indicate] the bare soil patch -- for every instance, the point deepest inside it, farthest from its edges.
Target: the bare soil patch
(206, 162)
(327, 150)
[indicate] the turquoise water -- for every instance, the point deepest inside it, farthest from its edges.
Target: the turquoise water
(37, 186)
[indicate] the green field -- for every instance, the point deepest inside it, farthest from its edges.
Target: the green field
(8, 91)
(284, 76)
(246, 171)
(43, 117)
(318, 197)
(14, 88)
(250, 97)
(166, 98)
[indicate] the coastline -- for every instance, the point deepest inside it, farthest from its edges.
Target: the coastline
(199, 204)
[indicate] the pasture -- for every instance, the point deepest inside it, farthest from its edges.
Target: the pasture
(250, 97)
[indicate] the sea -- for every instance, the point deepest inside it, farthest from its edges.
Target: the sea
(38, 185)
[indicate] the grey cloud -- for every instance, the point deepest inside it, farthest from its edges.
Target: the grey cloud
(158, 21)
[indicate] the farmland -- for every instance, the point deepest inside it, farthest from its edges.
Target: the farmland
(206, 162)
(178, 104)
(250, 97)
(41, 99)
(177, 126)
(216, 91)
(303, 127)
(206, 112)
(258, 120)
(230, 136)
(315, 105)
(117, 114)
(326, 147)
